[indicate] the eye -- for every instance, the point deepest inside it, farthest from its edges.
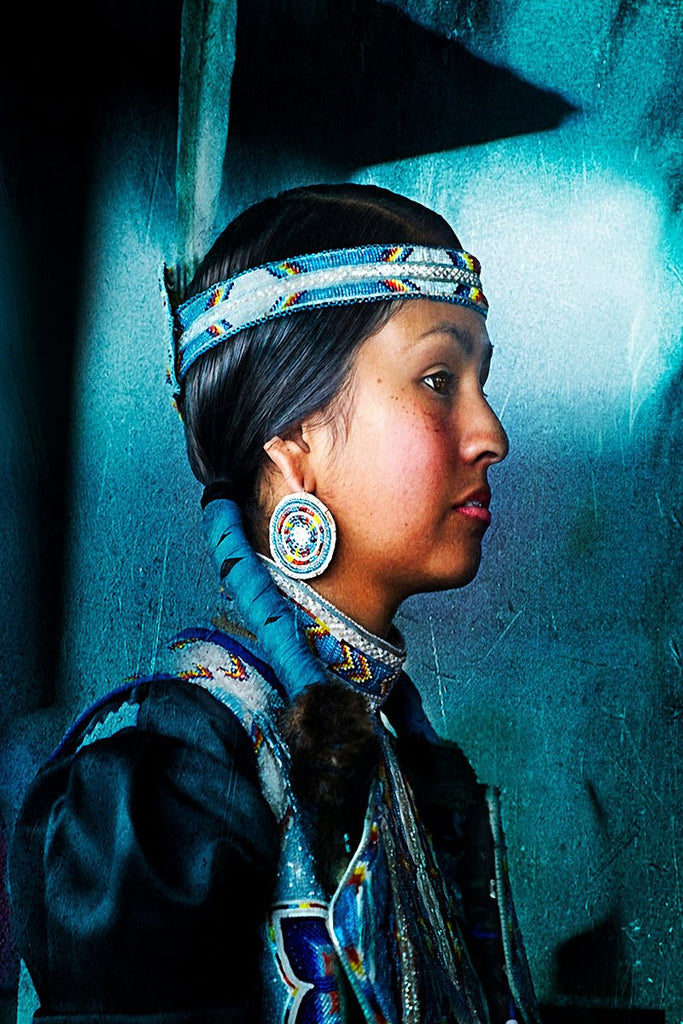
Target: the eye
(441, 381)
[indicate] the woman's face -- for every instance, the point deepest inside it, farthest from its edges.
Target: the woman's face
(405, 471)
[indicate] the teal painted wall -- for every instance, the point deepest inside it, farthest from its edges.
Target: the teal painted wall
(559, 669)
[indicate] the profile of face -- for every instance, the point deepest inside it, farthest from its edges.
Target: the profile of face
(401, 459)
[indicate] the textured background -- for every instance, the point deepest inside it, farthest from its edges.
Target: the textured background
(550, 135)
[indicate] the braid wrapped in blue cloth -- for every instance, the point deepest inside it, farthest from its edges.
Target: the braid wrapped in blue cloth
(263, 609)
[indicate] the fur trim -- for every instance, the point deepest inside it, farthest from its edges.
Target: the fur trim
(335, 753)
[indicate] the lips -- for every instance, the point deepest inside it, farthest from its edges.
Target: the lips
(476, 506)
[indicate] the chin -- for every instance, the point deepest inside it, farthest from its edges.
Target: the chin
(458, 577)
(461, 579)
(464, 569)
(466, 578)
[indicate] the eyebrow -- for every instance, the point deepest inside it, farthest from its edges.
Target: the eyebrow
(462, 335)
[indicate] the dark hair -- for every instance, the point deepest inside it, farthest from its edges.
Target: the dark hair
(272, 375)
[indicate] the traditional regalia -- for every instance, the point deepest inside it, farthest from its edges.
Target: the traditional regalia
(165, 867)
(214, 909)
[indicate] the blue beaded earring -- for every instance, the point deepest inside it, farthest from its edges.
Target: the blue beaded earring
(303, 535)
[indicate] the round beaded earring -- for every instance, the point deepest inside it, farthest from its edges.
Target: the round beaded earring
(303, 535)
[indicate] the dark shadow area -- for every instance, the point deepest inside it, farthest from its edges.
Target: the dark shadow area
(598, 1015)
(64, 70)
(360, 83)
(9, 963)
(56, 98)
(8, 1011)
(592, 963)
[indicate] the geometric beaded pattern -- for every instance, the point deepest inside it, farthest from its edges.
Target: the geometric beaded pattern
(302, 536)
(220, 664)
(349, 652)
(399, 973)
(307, 962)
(388, 964)
(306, 934)
(368, 273)
(350, 664)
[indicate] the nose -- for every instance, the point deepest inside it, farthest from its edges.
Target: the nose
(482, 437)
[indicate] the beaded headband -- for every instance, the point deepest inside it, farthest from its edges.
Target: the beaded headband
(368, 273)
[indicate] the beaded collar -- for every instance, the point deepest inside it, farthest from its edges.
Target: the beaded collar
(349, 652)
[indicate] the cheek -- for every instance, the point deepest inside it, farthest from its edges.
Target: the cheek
(409, 454)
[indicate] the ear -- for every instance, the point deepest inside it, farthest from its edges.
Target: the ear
(289, 456)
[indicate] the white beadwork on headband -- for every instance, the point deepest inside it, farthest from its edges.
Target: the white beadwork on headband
(366, 273)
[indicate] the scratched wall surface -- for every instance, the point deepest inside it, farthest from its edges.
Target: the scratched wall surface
(559, 670)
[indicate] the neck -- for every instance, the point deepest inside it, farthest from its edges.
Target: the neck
(319, 600)
(357, 608)
(357, 598)
(348, 650)
(352, 593)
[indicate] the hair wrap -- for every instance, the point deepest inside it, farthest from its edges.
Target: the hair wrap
(369, 273)
(265, 611)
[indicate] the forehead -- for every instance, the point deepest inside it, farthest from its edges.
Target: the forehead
(421, 324)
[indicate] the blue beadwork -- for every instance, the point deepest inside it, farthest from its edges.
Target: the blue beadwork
(370, 273)
(302, 536)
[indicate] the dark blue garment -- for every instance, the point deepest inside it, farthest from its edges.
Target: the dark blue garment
(143, 864)
(145, 857)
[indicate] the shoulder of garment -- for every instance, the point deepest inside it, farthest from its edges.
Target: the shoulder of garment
(143, 861)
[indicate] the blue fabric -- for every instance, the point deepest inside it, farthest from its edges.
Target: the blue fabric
(263, 609)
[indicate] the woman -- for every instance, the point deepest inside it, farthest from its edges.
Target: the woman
(268, 828)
